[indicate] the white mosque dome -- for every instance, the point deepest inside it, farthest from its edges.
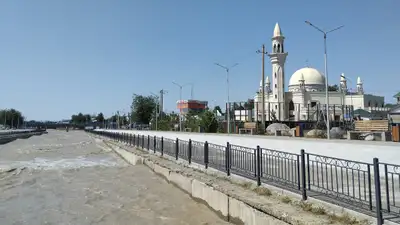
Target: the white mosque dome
(313, 80)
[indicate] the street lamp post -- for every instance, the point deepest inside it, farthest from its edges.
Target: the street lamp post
(180, 99)
(227, 69)
(263, 52)
(157, 109)
(326, 72)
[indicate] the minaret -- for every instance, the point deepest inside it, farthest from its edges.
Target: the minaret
(267, 85)
(360, 89)
(261, 87)
(343, 83)
(278, 58)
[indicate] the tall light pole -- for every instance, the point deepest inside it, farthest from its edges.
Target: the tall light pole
(180, 99)
(263, 52)
(326, 72)
(157, 109)
(227, 69)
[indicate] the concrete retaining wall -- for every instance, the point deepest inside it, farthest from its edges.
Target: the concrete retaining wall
(227, 207)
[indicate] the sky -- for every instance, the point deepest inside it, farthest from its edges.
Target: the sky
(59, 58)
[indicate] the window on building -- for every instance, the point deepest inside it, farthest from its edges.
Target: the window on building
(276, 96)
(369, 103)
(275, 75)
(276, 107)
(276, 86)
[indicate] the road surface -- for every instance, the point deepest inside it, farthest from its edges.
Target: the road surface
(65, 178)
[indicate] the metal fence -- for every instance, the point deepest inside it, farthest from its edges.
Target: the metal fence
(374, 187)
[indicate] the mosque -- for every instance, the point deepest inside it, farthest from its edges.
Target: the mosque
(306, 92)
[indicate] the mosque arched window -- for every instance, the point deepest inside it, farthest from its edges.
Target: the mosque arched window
(274, 48)
(279, 48)
(291, 105)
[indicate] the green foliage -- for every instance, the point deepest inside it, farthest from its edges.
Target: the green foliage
(208, 122)
(81, 119)
(11, 118)
(143, 108)
(122, 119)
(100, 118)
(191, 121)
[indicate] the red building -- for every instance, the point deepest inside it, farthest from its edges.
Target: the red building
(185, 106)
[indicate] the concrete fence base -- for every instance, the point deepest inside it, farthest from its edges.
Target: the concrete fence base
(229, 208)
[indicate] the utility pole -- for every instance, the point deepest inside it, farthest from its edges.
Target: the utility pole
(263, 52)
(161, 106)
(117, 119)
(180, 99)
(228, 105)
(157, 108)
(5, 118)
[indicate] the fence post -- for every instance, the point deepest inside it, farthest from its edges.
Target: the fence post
(190, 151)
(148, 142)
(154, 143)
(302, 174)
(378, 196)
(134, 139)
(176, 148)
(142, 141)
(206, 154)
(258, 161)
(162, 146)
(227, 164)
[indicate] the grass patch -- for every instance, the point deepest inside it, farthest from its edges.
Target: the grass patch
(346, 219)
(286, 199)
(246, 185)
(309, 207)
(262, 191)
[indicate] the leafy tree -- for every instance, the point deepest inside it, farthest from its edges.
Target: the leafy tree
(208, 122)
(11, 118)
(142, 108)
(100, 118)
(192, 121)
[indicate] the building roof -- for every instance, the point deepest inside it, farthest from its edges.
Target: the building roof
(310, 76)
(395, 110)
(396, 95)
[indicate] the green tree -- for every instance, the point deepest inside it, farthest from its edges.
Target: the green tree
(142, 108)
(11, 118)
(100, 118)
(208, 122)
(192, 121)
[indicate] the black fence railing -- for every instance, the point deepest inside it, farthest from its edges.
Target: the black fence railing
(368, 187)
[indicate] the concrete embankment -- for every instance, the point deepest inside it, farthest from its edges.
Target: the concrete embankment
(236, 200)
(7, 136)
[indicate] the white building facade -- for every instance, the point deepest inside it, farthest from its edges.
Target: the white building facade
(305, 98)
